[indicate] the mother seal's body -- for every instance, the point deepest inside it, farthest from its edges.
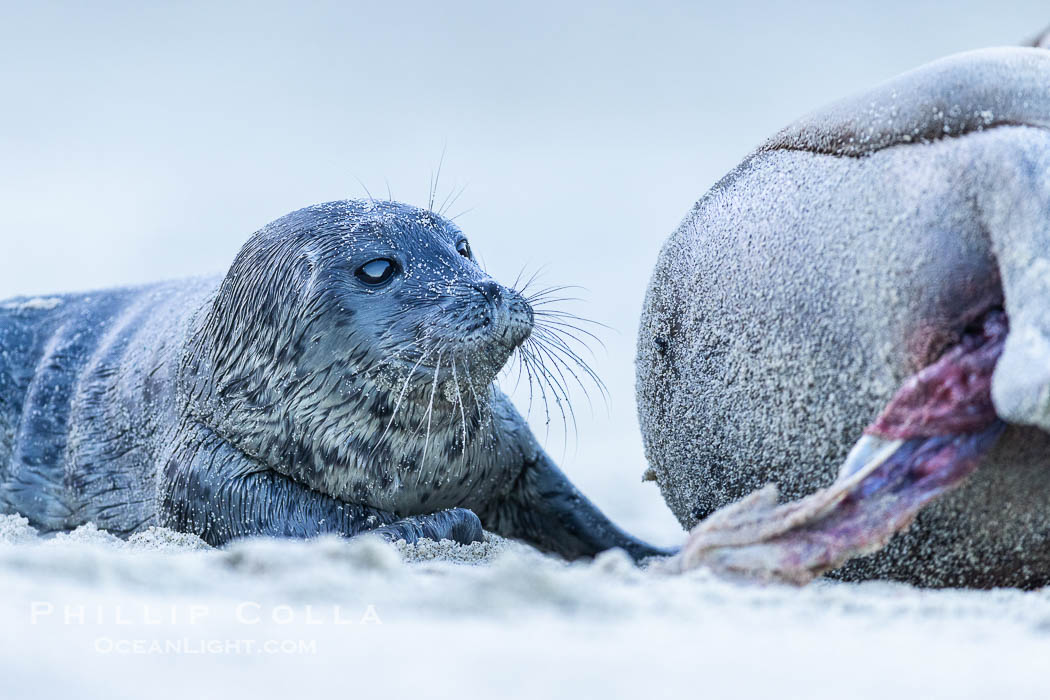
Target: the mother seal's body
(338, 380)
(848, 252)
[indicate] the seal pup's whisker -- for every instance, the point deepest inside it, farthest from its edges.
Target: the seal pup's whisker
(462, 213)
(542, 351)
(401, 395)
(485, 417)
(561, 333)
(430, 411)
(446, 205)
(566, 332)
(516, 358)
(558, 387)
(434, 180)
(547, 301)
(459, 395)
(545, 380)
(365, 188)
(527, 362)
(525, 287)
(543, 296)
(517, 280)
(558, 365)
(567, 315)
(563, 353)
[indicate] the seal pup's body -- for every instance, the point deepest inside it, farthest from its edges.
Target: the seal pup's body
(337, 380)
(844, 255)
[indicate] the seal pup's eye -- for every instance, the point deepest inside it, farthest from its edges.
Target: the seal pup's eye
(376, 272)
(463, 248)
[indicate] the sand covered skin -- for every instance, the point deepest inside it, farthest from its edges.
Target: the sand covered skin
(840, 258)
(496, 617)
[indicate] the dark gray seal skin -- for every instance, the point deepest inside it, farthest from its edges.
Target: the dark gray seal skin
(307, 392)
(844, 254)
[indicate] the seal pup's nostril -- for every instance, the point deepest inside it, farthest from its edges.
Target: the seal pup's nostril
(491, 291)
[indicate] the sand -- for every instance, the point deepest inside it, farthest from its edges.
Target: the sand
(163, 615)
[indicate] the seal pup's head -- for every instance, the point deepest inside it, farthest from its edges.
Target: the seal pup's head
(353, 333)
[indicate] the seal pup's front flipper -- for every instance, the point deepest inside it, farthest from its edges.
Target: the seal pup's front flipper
(543, 508)
(546, 510)
(459, 525)
(214, 490)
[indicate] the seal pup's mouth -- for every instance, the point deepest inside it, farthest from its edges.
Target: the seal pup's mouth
(926, 441)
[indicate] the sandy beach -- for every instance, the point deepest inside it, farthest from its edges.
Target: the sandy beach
(91, 616)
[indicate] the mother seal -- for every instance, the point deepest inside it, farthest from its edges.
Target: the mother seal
(883, 235)
(338, 380)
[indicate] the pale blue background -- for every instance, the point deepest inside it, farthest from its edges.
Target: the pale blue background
(147, 140)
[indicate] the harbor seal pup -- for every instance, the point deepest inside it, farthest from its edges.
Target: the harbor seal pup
(339, 379)
(849, 252)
